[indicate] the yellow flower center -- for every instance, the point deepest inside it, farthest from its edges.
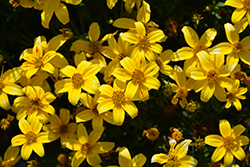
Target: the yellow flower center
(143, 43)
(152, 134)
(229, 142)
(94, 109)
(36, 103)
(138, 77)
(177, 135)
(77, 80)
(14, 3)
(246, 4)
(85, 147)
(182, 93)
(237, 47)
(63, 129)
(30, 137)
(197, 49)
(159, 62)
(173, 160)
(38, 63)
(213, 76)
(92, 48)
(1, 85)
(231, 95)
(191, 106)
(118, 97)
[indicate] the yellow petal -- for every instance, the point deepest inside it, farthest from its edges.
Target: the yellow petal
(105, 106)
(221, 48)
(182, 148)
(74, 95)
(82, 134)
(190, 36)
(182, 54)
(95, 135)
(119, 115)
(234, 3)
(45, 137)
(24, 126)
(239, 153)
(139, 160)
(144, 13)
(69, 71)
(205, 60)
(131, 90)
(26, 151)
(79, 45)
(155, 36)
(124, 23)
(208, 37)
(106, 89)
(238, 130)
(225, 128)
(228, 158)
(244, 56)
(87, 69)
(237, 15)
(231, 33)
(207, 91)
(102, 147)
(130, 37)
(94, 32)
(12, 75)
(220, 93)
(237, 104)
(64, 116)
(63, 86)
(124, 157)
(18, 140)
(93, 159)
(97, 123)
(62, 14)
(242, 140)
(84, 116)
(73, 2)
(91, 85)
(36, 126)
(46, 17)
(78, 158)
(119, 85)
(214, 140)
(152, 83)
(140, 29)
(111, 3)
(241, 25)
(130, 108)
(79, 57)
(159, 158)
(188, 161)
(38, 148)
(218, 154)
(151, 69)
(4, 101)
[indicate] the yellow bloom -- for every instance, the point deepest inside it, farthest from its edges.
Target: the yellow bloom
(211, 77)
(82, 77)
(8, 86)
(87, 146)
(93, 113)
(140, 76)
(43, 56)
(196, 45)
(236, 49)
(60, 10)
(229, 144)
(115, 98)
(234, 94)
(146, 44)
(11, 157)
(60, 126)
(152, 134)
(176, 157)
(35, 103)
(32, 138)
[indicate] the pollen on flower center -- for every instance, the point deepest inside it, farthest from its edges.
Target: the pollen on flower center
(230, 95)
(77, 80)
(138, 77)
(85, 147)
(197, 49)
(92, 48)
(213, 76)
(30, 137)
(237, 47)
(173, 160)
(159, 62)
(63, 129)
(36, 103)
(38, 63)
(143, 43)
(118, 97)
(94, 109)
(246, 4)
(182, 93)
(229, 142)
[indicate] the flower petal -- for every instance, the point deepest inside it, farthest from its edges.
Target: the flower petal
(139, 160)
(119, 115)
(188, 161)
(26, 151)
(62, 14)
(159, 158)
(74, 95)
(208, 37)
(190, 36)
(84, 116)
(124, 23)
(242, 140)
(130, 108)
(228, 158)
(237, 15)
(225, 128)
(207, 91)
(214, 140)
(218, 154)
(64, 116)
(82, 134)
(239, 153)
(93, 159)
(38, 148)
(18, 140)
(124, 157)
(231, 33)
(105, 106)
(102, 147)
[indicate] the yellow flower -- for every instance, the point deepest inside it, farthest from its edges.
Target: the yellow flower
(140, 76)
(87, 146)
(60, 10)
(234, 94)
(236, 49)
(115, 98)
(229, 144)
(60, 126)
(196, 45)
(8, 86)
(177, 156)
(211, 77)
(152, 134)
(182, 87)
(93, 113)
(145, 44)
(35, 103)
(43, 56)
(32, 138)
(11, 157)
(125, 159)
(82, 77)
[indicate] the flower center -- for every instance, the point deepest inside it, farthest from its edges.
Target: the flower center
(237, 47)
(30, 137)
(230, 95)
(213, 76)
(38, 63)
(63, 129)
(120, 57)
(94, 109)
(246, 4)
(173, 160)
(182, 93)
(14, 3)
(229, 142)
(159, 62)
(36, 103)
(138, 77)
(118, 97)
(1, 85)
(143, 43)
(77, 80)
(85, 147)
(92, 48)
(197, 49)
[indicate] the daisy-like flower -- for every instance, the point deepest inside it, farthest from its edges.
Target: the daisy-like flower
(145, 44)
(229, 144)
(92, 112)
(125, 159)
(32, 138)
(43, 56)
(8, 86)
(235, 49)
(177, 156)
(196, 45)
(162, 61)
(116, 99)
(11, 157)
(60, 126)
(140, 76)
(234, 94)
(76, 79)
(36, 102)
(211, 77)
(87, 147)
